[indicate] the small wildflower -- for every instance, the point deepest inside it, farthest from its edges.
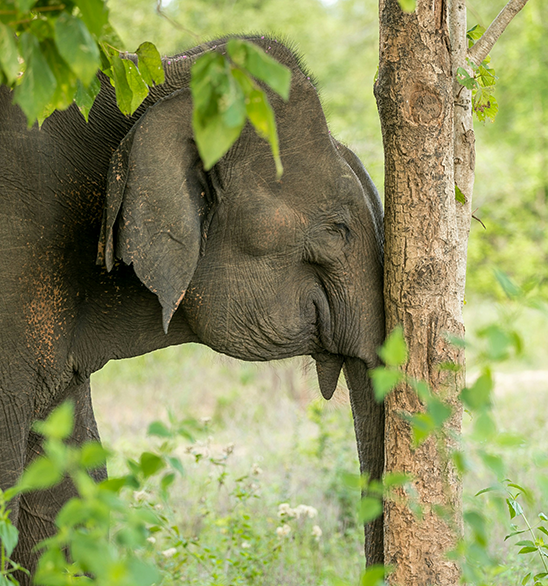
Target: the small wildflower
(283, 531)
(169, 553)
(159, 507)
(245, 545)
(228, 449)
(283, 509)
(206, 420)
(151, 539)
(255, 470)
(316, 532)
(140, 495)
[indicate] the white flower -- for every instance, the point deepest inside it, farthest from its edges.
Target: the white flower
(228, 449)
(316, 532)
(255, 470)
(151, 539)
(169, 553)
(245, 544)
(140, 495)
(283, 531)
(159, 507)
(205, 420)
(305, 511)
(284, 509)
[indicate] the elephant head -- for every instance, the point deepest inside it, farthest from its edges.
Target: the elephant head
(259, 268)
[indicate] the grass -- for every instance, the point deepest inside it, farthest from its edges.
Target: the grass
(273, 417)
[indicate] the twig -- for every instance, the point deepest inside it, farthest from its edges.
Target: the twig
(479, 51)
(172, 22)
(478, 220)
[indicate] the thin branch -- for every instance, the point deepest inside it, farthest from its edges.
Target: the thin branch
(160, 11)
(478, 52)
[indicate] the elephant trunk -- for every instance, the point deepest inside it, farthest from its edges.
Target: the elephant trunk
(369, 427)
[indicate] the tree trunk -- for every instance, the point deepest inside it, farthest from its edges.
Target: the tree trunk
(425, 260)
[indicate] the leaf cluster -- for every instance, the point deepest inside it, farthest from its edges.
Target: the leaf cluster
(481, 82)
(50, 53)
(225, 95)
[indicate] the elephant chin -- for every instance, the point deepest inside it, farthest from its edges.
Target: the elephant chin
(328, 367)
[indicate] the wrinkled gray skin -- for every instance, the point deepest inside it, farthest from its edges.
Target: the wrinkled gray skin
(253, 267)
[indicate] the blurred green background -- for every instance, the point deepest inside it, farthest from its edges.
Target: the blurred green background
(273, 413)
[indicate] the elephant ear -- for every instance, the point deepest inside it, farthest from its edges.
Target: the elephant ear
(155, 202)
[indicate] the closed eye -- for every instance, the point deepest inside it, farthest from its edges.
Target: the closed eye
(343, 229)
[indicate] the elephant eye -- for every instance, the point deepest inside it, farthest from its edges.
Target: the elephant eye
(343, 230)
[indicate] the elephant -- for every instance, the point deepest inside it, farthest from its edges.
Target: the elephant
(115, 242)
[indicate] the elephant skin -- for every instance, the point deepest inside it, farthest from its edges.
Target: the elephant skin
(116, 242)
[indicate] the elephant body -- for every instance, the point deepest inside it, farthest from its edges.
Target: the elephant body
(116, 242)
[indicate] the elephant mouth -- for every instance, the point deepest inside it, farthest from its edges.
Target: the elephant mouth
(328, 369)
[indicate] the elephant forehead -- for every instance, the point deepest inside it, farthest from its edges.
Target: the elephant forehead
(268, 226)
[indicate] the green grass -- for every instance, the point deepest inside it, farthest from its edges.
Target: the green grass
(275, 418)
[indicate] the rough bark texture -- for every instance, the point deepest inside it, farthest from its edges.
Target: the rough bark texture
(424, 273)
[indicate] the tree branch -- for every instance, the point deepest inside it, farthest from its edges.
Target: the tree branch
(479, 51)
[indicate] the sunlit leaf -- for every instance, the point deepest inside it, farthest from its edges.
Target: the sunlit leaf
(124, 95)
(459, 196)
(150, 463)
(9, 536)
(373, 576)
(150, 64)
(9, 54)
(85, 97)
(40, 473)
(407, 5)
(139, 89)
(59, 423)
(38, 82)
(157, 428)
(94, 14)
(384, 381)
(77, 47)
(369, 509)
(259, 64)
(478, 396)
(394, 350)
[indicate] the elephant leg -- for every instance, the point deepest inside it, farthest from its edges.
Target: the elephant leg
(38, 510)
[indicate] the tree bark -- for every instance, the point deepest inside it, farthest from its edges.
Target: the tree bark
(424, 276)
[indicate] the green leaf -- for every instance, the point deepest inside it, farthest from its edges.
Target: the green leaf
(514, 508)
(175, 463)
(59, 424)
(486, 76)
(465, 79)
(261, 115)
(459, 196)
(9, 54)
(396, 479)
(407, 5)
(40, 473)
(526, 579)
(475, 33)
(157, 428)
(77, 47)
(527, 550)
(485, 427)
(439, 411)
(370, 508)
(422, 425)
(85, 97)
(484, 104)
(150, 463)
(124, 95)
(495, 463)
(478, 396)
(511, 290)
(373, 576)
(93, 455)
(394, 350)
(25, 5)
(143, 574)
(9, 536)
(94, 14)
(38, 82)
(476, 521)
(150, 64)
(167, 481)
(219, 112)
(253, 59)
(384, 381)
(139, 89)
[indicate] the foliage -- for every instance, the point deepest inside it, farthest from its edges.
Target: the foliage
(225, 95)
(481, 82)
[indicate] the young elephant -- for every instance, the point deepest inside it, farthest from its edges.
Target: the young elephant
(252, 266)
